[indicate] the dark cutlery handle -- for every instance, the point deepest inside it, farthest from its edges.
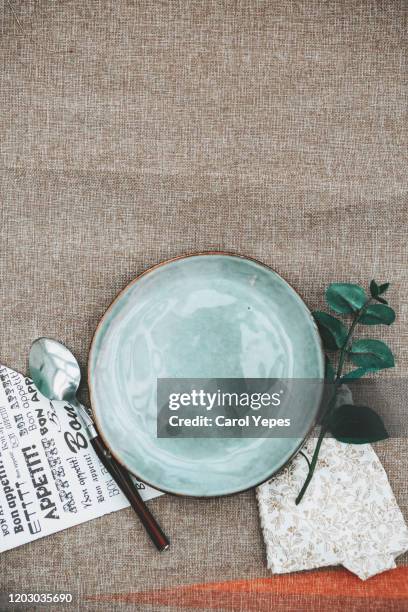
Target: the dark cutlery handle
(125, 482)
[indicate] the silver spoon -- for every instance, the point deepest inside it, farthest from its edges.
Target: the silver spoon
(56, 374)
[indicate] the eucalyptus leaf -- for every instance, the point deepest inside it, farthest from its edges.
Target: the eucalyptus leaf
(383, 288)
(377, 314)
(332, 331)
(358, 373)
(368, 353)
(380, 299)
(356, 425)
(374, 289)
(345, 298)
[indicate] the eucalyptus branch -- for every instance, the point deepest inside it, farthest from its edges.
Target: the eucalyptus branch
(342, 298)
(347, 343)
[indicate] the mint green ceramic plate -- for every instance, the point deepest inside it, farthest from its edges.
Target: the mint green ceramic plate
(210, 315)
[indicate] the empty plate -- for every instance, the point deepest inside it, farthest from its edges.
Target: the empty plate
(209, 315)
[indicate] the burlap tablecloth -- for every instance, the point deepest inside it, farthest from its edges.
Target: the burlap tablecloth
(135, 131)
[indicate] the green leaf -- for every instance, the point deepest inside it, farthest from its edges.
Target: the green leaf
(329, 371)
(345, 298)
(377, 314)
(356, 425)
(358, 373)
(380, 299)
(332, 331)
(368, 353)
(374, 289)
(383, 288)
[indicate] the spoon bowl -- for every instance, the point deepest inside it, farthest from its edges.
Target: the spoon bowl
(54, 369)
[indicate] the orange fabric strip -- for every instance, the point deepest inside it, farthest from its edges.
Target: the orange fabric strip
(391, 585)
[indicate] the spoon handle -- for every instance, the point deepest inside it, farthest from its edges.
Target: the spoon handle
(124, 481)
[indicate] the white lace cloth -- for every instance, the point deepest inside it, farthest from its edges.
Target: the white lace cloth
(348, 516)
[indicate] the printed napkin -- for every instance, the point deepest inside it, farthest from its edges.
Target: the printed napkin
(50, 476)
(348, 516)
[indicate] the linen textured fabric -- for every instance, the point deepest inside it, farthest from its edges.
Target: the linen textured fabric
(132, 132)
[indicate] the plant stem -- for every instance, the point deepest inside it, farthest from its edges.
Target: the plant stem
(344, 348)
(346, 344)
(332, 403)
(313, 461)
(312, 466)
(306, 458)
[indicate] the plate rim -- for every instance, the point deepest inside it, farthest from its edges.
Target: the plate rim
(106, 315)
